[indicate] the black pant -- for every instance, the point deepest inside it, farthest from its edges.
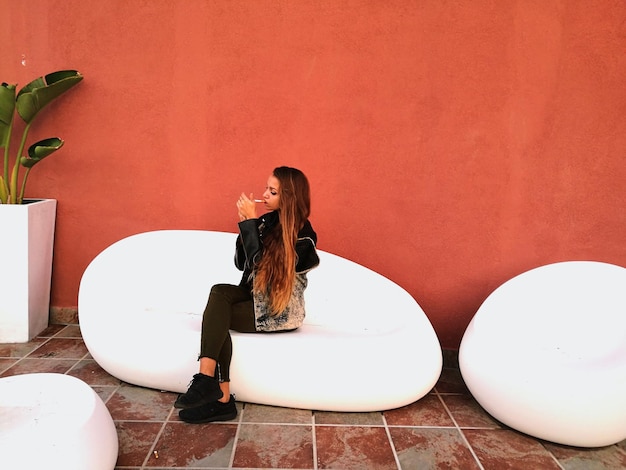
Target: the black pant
(228, 308)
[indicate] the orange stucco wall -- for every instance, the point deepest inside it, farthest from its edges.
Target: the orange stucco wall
(450, 145)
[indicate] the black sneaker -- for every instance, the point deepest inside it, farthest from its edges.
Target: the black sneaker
(216, 411)
(202, 389)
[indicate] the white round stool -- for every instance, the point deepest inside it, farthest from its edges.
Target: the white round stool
(54, 421)
(546, 353)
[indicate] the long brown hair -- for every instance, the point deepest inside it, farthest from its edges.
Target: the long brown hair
(276, 272)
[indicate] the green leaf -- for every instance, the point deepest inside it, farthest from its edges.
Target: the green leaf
(40, 150)
(7, 106)
(40, 92)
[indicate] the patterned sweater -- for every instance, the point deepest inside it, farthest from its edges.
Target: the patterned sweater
(249, 250)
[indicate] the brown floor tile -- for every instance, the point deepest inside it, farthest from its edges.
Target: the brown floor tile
(468, 413)
(430, 449)
(353, 447)
(273, 414)
(61, 348)
(69, 331)
(499, 449)
(91, 373)
(50, 331)
(194, 445)
(5, 363)
(31, 366)
(104, 392)
(131, 403)
(274, 446)
(20, 349)
(354, 419)
(602, 458)
(135, 441)
(429, 411)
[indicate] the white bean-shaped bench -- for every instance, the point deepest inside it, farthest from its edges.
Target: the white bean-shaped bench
(54, 421)
(365, 344)
(546, 353)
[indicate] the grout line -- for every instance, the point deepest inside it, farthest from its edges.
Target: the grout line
(345, 425)
(48, 359)
(78, 361)
(18, 360)
(411, 426)
(314, 440)
(56, 335)
(469, 446)
(391, 444)
(231, 461)
(47, 340)
(549, 452)
(117, 387)
(278, 423)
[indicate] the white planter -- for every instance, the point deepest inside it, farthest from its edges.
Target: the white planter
(26, 245)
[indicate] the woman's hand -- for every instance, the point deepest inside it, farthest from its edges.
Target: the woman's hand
(246, 207)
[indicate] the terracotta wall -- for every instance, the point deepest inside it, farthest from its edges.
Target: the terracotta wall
(450, 145)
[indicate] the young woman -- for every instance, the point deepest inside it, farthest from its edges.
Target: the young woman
(274, 251)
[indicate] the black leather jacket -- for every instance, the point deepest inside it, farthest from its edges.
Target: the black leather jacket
(249, 247)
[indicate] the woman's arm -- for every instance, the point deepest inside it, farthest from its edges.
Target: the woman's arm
(307, 258)
(249, 246)
(306, 253)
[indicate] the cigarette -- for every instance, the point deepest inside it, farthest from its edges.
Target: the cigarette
(259, 200)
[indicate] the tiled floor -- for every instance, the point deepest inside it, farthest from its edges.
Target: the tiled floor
(444, 430)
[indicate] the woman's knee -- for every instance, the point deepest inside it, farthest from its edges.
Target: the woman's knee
(218, 289)
(231, 293)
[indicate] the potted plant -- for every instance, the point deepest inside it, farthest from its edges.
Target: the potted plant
(26, 226)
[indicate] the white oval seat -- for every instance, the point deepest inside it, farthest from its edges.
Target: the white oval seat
(546, 353)
(54, 421)
(365, 344)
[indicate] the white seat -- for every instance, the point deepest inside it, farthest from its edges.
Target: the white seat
(365, 344)
(546, 353)
(54, 421)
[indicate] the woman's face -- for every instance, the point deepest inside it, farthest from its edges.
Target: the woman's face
(270, 196)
